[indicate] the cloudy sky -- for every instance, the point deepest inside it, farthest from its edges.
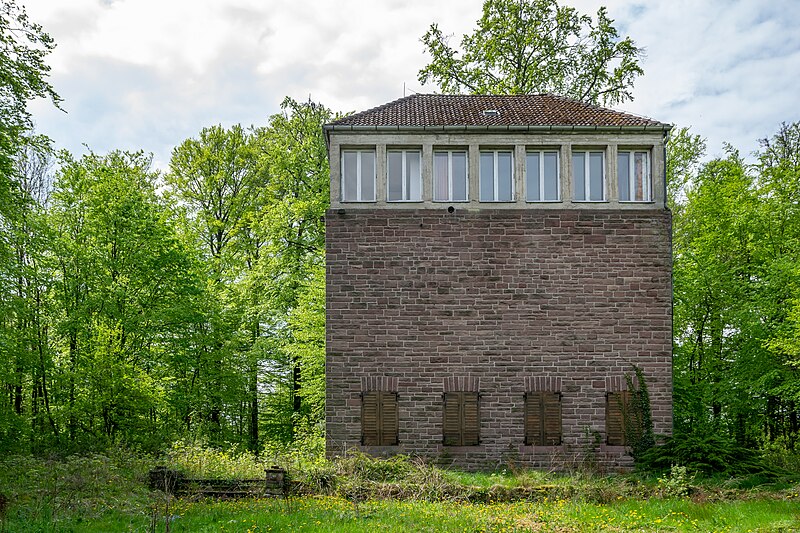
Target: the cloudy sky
(147, 74)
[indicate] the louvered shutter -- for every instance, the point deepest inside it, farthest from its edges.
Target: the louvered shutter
(533, 419)
(617, 404)
(370, 402)
(471, 433)
(543, 418)
(551, 407)
(389, 419)
(452, 419)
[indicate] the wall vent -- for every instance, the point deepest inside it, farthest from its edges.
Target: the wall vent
(491, 113)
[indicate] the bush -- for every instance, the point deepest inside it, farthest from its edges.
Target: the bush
(708, 453)
(676, 485)
(196, 459)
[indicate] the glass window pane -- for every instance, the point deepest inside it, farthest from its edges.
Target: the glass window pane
(394, 170)
(414, 184)
(459, 176)
(487, 177)
(350, 166)
(551, 176)
(642, 189)
(440, 187)
(596, 176)
(504, 174)
(579, 175)
(623, 173)
(368, 176)
(532, 177)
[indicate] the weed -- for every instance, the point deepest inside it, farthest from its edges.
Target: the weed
(676, 485)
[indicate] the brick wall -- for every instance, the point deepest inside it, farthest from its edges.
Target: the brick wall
(496, 299)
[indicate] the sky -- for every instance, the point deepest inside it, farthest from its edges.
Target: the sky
(148, 74)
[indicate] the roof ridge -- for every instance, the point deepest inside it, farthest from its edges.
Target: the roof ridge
(540, 109)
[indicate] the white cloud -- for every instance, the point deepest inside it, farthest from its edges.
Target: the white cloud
(146, 74)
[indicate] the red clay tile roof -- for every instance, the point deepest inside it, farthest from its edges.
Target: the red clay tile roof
(430, 110)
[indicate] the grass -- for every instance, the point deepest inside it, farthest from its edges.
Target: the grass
(107, 493)
(330, 513)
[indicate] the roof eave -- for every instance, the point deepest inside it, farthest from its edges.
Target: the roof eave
(503, 128)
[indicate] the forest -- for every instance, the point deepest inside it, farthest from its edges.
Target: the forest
(141, 307)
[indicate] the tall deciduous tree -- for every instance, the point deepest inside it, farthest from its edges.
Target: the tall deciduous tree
(24, 280)
(298, 195)
(536, 46)
(122, 281)
(736, 238)
(23, 76)
(221, 180)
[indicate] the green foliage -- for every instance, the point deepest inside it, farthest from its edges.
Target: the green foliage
(639, 423)
(706, 453)
(536, 46)
(307, 342)
(684, 153)
(197, 459)
(76, 488)
(24, 45)
(108, 493)
(676, 485)
(736, 244)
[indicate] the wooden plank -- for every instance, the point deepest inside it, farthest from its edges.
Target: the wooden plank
(451, 428)
(551, 427)
(369, 418)
(389, 419)
(533, 419)
(617, 404)
(471, 419)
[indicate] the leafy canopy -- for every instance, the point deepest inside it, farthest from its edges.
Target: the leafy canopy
(23, 76)
(536, 46)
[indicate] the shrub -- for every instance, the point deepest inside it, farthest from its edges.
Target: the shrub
(676, 485)
(707, 453)
(196, 459)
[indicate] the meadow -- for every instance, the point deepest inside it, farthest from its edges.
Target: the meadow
(108, 493)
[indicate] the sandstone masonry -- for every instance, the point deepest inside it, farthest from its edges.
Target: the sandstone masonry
(500, 299)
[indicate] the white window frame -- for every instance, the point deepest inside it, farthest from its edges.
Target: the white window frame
(587, 185)
(450, 174)
(359, 178)
(404, 175)
(541, 175)
(495, 175)
(647, 178)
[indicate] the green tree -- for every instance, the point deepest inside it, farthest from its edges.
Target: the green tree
(684, 154)
(711, 241)
(24, 281)
(124, 287)
(736, 238)
(23, 77)
(221, 180)
(294, 150)
(536, 46)
(778, 289)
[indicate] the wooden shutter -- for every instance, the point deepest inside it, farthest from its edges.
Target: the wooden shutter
(462, 421)
(471, 420)
(379, 418)
(389, 427)
(543, 418)
(370, 434)
(551, 407)
(451, 427)
(533, 419)
(617, 406)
